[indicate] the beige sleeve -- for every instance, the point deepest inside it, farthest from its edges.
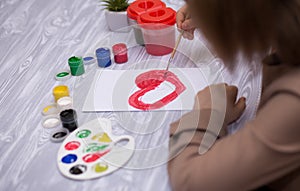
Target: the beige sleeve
(265, 149)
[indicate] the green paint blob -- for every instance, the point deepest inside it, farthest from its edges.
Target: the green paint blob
(75, 60)
(83, 133)
(62, 74)
(94, 147)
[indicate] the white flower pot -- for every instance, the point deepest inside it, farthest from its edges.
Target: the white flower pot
(117, 21)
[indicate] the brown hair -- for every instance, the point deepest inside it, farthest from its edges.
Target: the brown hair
(250, 26)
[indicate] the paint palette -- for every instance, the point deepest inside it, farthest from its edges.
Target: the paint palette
(92, 151)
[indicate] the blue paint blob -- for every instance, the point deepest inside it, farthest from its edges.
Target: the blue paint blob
(89, 58)
(70, 158)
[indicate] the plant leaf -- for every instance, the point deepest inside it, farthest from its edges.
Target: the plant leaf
(115, 5)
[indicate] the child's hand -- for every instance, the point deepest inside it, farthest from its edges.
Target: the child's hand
(223, 99)
(185, 23)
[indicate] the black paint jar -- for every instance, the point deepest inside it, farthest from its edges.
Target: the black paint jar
(69, 119)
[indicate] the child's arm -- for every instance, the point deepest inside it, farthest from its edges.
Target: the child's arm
(264, 150)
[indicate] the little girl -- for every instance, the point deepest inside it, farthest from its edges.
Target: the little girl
(265, 154)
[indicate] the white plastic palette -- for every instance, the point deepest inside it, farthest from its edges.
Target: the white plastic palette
(92, 151)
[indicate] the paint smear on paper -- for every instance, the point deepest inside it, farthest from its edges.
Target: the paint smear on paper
(149, 81)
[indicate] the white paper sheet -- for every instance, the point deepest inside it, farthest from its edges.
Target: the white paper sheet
(111, 90)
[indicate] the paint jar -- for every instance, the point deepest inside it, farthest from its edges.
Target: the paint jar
(76, 66)
(158, 31)
(103, 57)
(69, 119)
(120, 53)
(60, 91)
(137, 8)
(64, 103)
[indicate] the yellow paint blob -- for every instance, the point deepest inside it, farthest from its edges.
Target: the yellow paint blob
(46, 109)
(100, 167)
(102, 137)
(50, 109)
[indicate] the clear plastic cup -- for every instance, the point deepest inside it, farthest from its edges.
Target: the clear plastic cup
(137, 8)
(158, 31)
(159, 42)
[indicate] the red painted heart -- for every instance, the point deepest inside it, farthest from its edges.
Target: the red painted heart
(147, 82)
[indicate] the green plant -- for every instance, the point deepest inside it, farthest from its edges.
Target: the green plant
(115, 5)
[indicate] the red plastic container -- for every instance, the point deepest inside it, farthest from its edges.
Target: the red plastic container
(137, 8)
(158, 30)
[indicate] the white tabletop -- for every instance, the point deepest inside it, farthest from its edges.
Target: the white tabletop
(36, 39)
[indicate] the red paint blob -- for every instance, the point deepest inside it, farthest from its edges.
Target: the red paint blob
(93, 157)
(157, 49)
(73, 145)
(148, 81)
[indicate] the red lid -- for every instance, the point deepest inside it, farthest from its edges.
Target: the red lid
(162, 16)
(139, 7)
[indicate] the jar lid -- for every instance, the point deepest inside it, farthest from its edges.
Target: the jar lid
(139, 7)
(88, 60)
(50, 109)
(63, 75)
(51, 121)
(161, 18)
(59, 135)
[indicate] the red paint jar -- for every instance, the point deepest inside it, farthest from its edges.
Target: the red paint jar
(120, 53)
(158, 31)
(137, 8)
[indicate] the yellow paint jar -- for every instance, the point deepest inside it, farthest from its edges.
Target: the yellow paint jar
(60, 91)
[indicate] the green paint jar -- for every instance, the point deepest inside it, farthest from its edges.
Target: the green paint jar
(76, 66)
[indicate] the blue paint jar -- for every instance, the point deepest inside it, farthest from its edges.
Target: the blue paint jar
(103, 57)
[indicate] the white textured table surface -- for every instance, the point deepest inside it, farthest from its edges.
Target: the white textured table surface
(36, 39)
